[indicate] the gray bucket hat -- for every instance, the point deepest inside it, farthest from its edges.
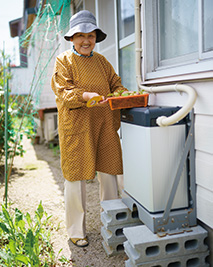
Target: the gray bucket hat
(84, 21)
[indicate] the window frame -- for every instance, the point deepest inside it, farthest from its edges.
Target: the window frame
(122, 44)
(192, 68)
(202, 55)
(130, 39)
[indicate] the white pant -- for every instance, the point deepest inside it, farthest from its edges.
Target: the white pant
(75, 201)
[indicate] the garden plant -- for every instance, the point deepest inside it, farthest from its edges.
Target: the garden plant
(26, 241)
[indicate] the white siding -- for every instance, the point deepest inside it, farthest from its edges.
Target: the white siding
(205, 206)
(21, 80)
(204, 170)
(204, 103)
(204, 133)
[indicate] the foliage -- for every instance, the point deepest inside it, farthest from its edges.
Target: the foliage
(55, 149)
(14, 134)
(26, 241)
(16, 113)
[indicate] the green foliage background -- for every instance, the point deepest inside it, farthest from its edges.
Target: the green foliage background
(16, 118)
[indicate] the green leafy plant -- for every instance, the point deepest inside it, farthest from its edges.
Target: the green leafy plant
(15, 109)
(10, 130)
(55, 149)
(125, 93)
(26, 241)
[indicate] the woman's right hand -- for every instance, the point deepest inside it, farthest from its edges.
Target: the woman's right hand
(88, 95)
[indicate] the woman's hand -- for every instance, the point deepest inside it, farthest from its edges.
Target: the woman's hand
(88, 95)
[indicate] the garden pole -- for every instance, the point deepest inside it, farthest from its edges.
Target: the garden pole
(6, 125)
(6, 141)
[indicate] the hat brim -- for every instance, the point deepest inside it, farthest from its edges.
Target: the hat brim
(86, 28)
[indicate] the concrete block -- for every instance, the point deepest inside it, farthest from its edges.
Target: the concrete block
(142, 245)
(115, 232)
(115, 217)
(114, 249)
(110, 238)
(116, 212)
(189, 260)
(108, 223)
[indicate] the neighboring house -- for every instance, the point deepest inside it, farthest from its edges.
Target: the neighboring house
(36, 65)
(177, 45)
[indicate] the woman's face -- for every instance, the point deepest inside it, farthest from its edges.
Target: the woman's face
(84, 43)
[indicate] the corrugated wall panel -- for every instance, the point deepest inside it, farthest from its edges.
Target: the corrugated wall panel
(204, 170)
(205, 206)
(203, 105)
(204, 133)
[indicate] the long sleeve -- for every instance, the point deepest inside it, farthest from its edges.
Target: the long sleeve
(113, 79)
(62, 85)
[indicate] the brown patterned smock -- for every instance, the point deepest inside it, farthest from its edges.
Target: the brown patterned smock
(88, 137)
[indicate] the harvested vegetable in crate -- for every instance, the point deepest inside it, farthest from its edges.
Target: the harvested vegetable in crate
(127, 99)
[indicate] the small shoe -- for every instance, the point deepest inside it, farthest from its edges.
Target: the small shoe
(80, 242)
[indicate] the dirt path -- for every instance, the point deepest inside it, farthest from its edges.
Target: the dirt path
(37, 177)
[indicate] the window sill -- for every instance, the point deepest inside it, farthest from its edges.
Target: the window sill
(197, 71)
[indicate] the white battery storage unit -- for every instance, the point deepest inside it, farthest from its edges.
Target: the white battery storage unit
(151, 155)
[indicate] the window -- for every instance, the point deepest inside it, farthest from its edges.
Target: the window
(126, 18)
(207, 25)
(178, 28)
(126, 29)
(127, 67)
(179, 37)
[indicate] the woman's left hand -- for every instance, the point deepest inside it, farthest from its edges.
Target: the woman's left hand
(102, 103)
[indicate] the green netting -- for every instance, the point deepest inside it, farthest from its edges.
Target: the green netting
(38, 46)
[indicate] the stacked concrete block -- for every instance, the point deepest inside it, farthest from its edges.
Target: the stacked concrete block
(115, 217)
(184, 261)
(186, 249)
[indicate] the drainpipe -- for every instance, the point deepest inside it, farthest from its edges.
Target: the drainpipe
(180, 114)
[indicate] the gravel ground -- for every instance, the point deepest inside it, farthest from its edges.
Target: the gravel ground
(37, 177)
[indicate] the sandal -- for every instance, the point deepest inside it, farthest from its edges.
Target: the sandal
(80, 242)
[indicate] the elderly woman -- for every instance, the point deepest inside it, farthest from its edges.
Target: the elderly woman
(88, 137)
